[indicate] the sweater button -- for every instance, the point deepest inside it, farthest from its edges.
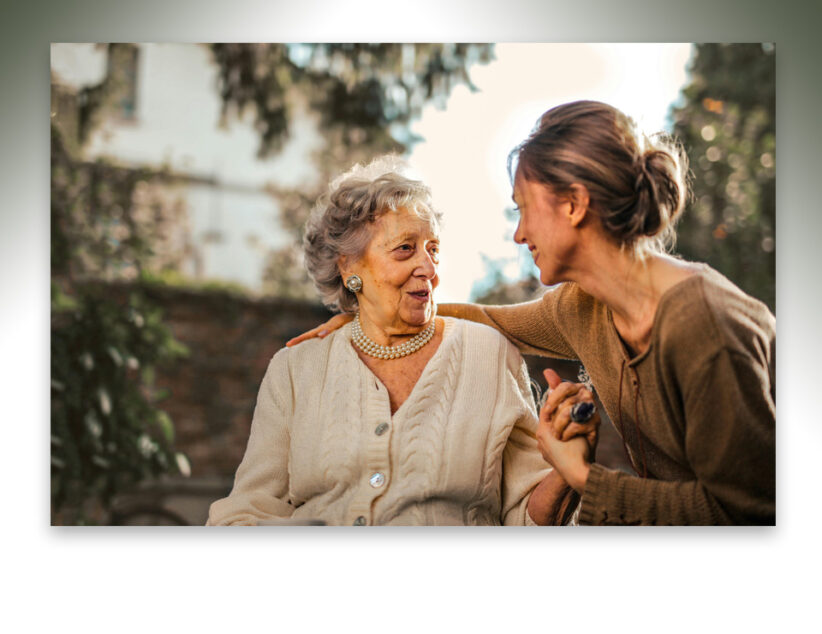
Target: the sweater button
(377, 480)
(381, 429)
(360, 521)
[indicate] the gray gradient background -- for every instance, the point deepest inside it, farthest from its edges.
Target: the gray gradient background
(748, 577)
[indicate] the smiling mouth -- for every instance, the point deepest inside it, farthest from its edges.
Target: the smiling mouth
(422, 296)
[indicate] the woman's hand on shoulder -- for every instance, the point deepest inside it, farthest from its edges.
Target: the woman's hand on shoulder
(323, 330)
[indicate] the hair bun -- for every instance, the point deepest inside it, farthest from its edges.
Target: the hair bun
(659, 192)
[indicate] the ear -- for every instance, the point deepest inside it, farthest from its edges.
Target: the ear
(580, 200)
(342, 266)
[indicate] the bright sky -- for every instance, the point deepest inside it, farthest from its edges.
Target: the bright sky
(463, 158)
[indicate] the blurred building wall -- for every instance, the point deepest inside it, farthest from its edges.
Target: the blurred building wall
(171, 119)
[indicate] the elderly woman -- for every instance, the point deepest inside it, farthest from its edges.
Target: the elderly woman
(400, 417)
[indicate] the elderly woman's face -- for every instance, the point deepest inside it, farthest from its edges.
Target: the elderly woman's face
(399, 272)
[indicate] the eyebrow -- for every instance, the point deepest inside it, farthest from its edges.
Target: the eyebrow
(409, 235)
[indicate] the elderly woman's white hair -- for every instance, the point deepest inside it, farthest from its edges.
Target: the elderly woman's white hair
(342, 221)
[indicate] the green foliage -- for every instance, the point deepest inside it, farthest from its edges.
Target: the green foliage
(727, 125)
(93, 233)
(361, 92)
(107, 432)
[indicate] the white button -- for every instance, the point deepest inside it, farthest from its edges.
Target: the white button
(377, 480)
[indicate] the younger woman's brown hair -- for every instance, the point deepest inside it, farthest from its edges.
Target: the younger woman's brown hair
(637, 184)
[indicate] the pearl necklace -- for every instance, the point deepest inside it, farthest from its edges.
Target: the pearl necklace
(373, 349)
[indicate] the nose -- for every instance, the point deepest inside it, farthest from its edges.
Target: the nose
(519, 236)
(427, 266)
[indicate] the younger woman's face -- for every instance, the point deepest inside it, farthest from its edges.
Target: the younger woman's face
(544, 227)
(399, 273)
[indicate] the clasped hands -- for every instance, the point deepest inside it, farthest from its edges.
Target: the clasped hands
(568, 445)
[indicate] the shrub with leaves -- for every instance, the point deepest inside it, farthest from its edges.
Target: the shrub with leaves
(727, 122)
(107, 432)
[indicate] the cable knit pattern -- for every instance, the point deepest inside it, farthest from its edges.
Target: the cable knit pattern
(460, 450)
(489, 489)
(423, 432)
(339, 441)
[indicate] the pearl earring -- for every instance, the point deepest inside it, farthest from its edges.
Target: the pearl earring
(354, 283)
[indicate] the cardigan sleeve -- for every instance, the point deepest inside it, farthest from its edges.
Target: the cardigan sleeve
(261, 483)
(533, 327)
(523, 466)
(729, 442)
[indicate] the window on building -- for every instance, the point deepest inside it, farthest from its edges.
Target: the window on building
(122, 72)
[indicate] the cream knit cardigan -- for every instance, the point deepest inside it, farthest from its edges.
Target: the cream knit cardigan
(461, 450)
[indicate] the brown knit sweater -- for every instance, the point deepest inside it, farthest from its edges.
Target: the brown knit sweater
(696, 409)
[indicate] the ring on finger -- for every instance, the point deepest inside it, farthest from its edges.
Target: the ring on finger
(583, 411)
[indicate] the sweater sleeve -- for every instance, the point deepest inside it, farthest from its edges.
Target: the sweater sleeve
(523, 466)
(261, 482)
(729, 442)
(532, 326)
